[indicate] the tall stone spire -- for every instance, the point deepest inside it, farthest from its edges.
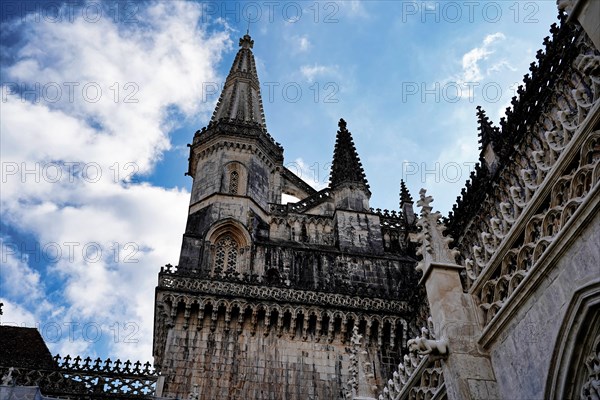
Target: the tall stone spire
(346, 168)
(240, 99)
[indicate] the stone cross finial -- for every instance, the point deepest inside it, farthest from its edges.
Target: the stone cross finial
(246, 42)
(434, 245)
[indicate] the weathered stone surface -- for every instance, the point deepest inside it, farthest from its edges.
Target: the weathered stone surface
(523, 352)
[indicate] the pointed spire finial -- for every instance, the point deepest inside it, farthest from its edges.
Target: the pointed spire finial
(406, 205)
(405, 196)
(490, 138)
(346, 167)
(488, 133)
(246, 42)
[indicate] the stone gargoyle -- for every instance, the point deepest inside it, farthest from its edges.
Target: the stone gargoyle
(425, 346)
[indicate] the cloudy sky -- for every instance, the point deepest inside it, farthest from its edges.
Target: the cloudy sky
(100, 99)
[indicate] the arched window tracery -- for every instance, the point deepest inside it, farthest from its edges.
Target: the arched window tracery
(234, 179)
(226, 253)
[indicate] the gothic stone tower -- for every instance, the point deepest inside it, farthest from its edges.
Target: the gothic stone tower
(266, 296)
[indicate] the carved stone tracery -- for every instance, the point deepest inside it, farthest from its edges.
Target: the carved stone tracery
(419, 376)
(546, 168)
(590, 389)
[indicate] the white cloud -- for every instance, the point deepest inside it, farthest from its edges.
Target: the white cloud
(316, 175)
(355, 8)
(310, 72)
(489, 39)
(302, 43)
(162, 62)
(16, 315)
(287, 198)
(19, 279)
(470, 61)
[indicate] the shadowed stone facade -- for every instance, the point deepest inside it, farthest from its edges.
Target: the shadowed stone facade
(265, 297)
(513, 274)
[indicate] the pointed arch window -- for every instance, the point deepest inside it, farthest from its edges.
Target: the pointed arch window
(234, 179)
(226, 253)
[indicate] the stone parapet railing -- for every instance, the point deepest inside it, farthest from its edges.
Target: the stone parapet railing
(302, 205)
(418, 377)
(270, 293)
(82, 379)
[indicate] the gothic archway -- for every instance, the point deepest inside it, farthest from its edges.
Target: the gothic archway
(229, 244)
(575, 366)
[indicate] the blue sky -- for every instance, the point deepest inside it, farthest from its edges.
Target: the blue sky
(100, 99)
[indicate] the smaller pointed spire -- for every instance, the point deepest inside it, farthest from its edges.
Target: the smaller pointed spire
(490, 141)
(488, 133)
(406, 205)
(405, 196)
(346, 167)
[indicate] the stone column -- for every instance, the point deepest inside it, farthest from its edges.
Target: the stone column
(468, 373)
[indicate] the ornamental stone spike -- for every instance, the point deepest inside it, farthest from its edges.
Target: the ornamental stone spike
(434, 246)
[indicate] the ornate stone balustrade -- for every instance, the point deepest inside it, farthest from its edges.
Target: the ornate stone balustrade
(417, 377)
(81, 379)
(393, 216)
(269, 293)
(558, 96)
(302, 205)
